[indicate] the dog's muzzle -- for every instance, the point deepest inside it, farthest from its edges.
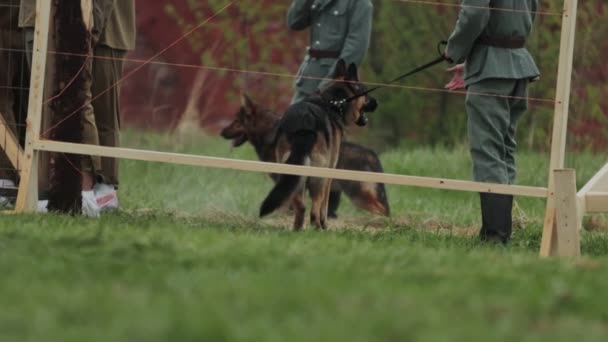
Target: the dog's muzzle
(369, 107)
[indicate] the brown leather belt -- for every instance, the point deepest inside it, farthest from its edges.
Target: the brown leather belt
(503, 42)
(323, 53)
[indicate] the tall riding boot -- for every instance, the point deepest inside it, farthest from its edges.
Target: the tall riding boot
(496, 217)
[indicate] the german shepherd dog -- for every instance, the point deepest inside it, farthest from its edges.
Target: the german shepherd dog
(310, 133)
(259, 126)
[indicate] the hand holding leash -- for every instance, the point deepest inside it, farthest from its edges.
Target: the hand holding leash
(457, 81)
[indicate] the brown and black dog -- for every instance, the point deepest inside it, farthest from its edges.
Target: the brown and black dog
(310, 133)
(258, 127)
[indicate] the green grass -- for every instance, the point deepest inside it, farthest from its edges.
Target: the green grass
(187, 260)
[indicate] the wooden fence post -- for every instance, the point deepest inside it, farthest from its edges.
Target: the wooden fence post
(27, 197)
(567, 220)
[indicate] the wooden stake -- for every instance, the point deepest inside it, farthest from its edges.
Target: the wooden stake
(567, 218)
(27, 198)
(549, 241)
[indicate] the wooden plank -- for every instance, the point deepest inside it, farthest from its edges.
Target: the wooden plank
(27, 199)
(596, 202)
(567, 219)
(246, 165)
(10, 144)
(560, 120)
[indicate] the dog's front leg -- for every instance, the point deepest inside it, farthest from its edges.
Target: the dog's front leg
(297, 203)
(333, 162)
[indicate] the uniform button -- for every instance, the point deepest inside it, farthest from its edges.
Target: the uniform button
(318, 24)
(335, 12)
(317, 42)
(314, 6)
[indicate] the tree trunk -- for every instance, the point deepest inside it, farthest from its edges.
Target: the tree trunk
(71, 79)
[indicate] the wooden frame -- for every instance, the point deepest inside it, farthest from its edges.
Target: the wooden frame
(564, 206)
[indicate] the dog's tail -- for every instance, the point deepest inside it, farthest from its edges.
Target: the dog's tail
(301, 146)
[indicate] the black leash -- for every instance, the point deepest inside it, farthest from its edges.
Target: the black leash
(434, 62)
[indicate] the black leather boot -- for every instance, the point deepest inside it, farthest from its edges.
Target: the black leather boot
(496, 217)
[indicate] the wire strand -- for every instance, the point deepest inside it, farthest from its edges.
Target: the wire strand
(266, 73)
(444, 4)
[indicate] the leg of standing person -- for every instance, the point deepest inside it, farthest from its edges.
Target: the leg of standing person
(519, 106)
(489, 123)
(89, 164)
(107, 70)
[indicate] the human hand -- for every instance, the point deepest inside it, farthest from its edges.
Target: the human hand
(457, 81)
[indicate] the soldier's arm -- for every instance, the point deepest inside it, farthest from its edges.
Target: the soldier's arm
(472, 21)
(298, 15)
(358, 36)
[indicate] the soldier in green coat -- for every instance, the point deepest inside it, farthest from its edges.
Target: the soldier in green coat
(489, 39)
(338, 29)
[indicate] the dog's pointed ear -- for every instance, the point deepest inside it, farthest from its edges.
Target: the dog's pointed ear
(247, 105)
(340, 72)
(352, 74)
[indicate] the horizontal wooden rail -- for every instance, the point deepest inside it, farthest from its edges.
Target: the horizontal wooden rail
(246, 165)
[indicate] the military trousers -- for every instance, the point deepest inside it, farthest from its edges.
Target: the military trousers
(310, 77)
(89, 134)
(494, 106)
(106, 72)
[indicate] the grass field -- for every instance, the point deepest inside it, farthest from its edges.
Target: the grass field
(187, 259)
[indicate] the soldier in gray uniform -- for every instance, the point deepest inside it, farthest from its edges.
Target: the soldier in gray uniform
(491, 44)
(338, 29)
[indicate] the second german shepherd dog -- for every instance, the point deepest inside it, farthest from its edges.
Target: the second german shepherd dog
(259, 126)
(310, 133)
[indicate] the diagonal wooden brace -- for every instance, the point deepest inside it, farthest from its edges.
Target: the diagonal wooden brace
(9, 144)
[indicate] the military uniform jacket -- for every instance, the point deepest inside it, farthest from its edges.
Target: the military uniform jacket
(335, 25)
(118, 24)
(476, 18)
